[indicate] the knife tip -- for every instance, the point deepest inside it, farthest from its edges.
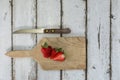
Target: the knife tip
(17, 32)
(14, 32)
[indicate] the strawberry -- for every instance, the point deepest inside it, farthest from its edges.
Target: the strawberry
(59, 57)
(46, 50)
(53, 53)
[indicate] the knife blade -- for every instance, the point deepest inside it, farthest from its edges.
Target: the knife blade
(43, 30)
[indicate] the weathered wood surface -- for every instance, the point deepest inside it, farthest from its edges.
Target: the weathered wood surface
(5, 38)
(98, 20)
(115, 39)
(74, 18)
(23, 15)
(98, 36)
(48, 15)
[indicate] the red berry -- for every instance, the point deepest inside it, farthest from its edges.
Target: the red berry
(53, 53)
(46, 51)
(59, 57)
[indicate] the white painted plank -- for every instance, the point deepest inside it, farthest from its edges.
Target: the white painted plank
(115, 55)
(48, 16)
(74, 18)
(98, 39)
(5, 37)
(24, 15)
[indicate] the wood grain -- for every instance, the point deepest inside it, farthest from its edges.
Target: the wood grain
(24, 17)
(19, 54)
(98, 36)
(74, 18)
(5, 37)
(74, 48)
(115, 38)
(48, 15)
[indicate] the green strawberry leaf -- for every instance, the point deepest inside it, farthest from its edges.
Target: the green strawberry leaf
(58, 49)
(45, 45)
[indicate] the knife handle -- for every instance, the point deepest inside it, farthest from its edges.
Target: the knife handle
(57, 31)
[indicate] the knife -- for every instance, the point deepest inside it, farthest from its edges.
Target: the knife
(43, 30)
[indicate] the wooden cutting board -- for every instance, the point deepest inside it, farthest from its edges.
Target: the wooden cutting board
(74, 48)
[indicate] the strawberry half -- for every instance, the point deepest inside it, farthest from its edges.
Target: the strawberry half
(59, 57)
(46, 50)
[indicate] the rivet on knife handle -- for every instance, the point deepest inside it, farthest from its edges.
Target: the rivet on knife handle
(65, 31)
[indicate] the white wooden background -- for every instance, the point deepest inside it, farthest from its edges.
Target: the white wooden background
(97, 20)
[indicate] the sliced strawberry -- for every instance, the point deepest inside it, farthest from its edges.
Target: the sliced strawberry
(59, 57)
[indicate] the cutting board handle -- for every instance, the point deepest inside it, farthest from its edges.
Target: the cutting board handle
(22, 53)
